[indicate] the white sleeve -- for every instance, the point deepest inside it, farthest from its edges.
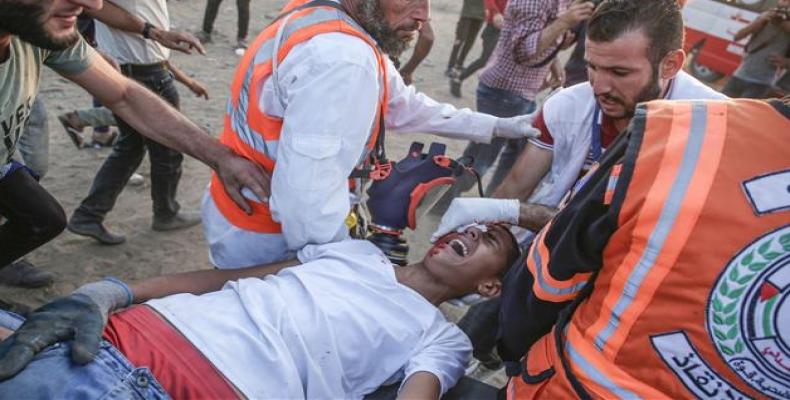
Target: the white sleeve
(326, 122)
(413, 112)
(445, 353)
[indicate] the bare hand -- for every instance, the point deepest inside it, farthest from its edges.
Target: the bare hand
(498, 20)
(768, 15)
(179, 41)
(407, 78)
(778, 61)
(568, 40)
(556, 77)
(576, 13)
(237, 173)
(198, 89)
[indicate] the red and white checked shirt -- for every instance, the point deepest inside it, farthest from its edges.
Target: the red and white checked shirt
(514, 65)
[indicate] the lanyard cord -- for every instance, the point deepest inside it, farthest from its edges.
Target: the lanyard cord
(595, 145)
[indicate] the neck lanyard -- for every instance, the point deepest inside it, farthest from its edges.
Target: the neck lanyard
(595, 145)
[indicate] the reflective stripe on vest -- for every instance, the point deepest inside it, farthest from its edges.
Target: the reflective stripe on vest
(545, 286)
(255, 135)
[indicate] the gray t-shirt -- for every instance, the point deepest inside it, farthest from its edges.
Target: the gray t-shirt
(755, 67)
(20, 75)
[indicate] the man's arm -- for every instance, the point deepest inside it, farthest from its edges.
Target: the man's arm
(421, 50)
(82, 316)
(535, 38)
(196, 87)
(320, 144)
(156, 119)
(411, 112)
(120, 19)
(578, 11)
(531, 166)
(754, 26)
(421, 385)
(199, 282)
(518, 185)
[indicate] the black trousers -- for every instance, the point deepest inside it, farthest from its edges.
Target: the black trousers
(127, 154)
(33, 216)
(212, 8)
(490, 36)
(465, 34)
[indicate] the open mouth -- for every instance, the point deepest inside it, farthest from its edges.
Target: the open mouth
(459, 247)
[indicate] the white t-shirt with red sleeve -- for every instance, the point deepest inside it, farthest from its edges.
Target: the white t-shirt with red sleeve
(566, 124)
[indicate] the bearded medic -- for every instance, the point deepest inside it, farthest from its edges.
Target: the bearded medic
(314, 113)
(666, 274)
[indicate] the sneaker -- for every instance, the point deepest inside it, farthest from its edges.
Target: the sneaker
(241, 46)
(94, 230)
(70, 123)
(241, 43)
(136, 180)
(455, 87)
(181, 220)
(203, 36)
(24, 274)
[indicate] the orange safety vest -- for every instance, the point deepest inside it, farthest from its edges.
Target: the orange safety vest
(253, 134)
(693, 295)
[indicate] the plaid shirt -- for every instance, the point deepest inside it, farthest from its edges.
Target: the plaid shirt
(514, 65)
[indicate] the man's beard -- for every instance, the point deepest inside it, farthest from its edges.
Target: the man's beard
(372, 19)
(27, 22)
(651, 91)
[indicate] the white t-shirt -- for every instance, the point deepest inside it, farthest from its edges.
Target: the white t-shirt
(329, 86)
(133, 48)
(338, 326)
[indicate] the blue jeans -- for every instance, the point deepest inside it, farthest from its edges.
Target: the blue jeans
(34, 142)
(52, 375)
(499, 103)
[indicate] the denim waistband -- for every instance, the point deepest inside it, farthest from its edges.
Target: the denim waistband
(52, 375)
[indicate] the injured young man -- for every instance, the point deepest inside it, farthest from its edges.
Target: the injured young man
(339, 325)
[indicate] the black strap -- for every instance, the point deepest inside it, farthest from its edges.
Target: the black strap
(559, 328)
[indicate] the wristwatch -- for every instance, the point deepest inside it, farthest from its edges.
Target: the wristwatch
(147, 30)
